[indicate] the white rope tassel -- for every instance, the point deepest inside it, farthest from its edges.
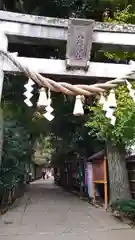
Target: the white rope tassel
(105, 106)
(109, 114)
(28, 93)
(109, 106)
(102, 99)
(113, 120)
(104, 103)
(42, 100)
(112, 104)
(78, 107)
(111, 100)
(131, 90)
(48, 108)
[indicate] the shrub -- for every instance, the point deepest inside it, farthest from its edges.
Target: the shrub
(127, 207)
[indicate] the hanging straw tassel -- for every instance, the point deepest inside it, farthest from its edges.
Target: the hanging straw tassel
(102, 99)
(105, 106)
(78, 107)
(28, 93)
(131, 90)
(42, 100)
(48, 115)
(111, 100)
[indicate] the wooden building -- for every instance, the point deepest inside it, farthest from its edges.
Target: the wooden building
(98, 177)
(131, 172)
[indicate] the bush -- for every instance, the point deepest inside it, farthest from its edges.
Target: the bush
(16, 155)
(125, 207)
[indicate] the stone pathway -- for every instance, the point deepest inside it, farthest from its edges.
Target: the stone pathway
(47, 212)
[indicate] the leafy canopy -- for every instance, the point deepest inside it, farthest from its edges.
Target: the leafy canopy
(124, 130)
(99, 126)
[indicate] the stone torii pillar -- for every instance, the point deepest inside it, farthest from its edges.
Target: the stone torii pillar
(3, 46)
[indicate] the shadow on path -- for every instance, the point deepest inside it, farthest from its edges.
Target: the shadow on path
(48, 212)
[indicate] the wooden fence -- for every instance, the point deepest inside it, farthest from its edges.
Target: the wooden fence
(10, 195)
(131, 173)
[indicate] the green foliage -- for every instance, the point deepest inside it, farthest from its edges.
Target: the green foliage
(18, 140)
(45, 145)
(67, 133)
(65, 8)
(16, 143)
(16, 152)
(43, 150)
(127, 15)
(124, 130)
(124, 206)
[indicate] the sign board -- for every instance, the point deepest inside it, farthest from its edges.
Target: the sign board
(99, 176)
(79, 43)
(98, 170)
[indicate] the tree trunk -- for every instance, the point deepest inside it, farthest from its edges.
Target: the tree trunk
(118, 175)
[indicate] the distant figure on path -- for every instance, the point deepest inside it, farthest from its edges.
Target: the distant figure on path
(43, 173)
(48, 174)
(30, 176)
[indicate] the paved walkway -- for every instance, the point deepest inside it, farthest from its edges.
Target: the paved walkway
(47, 212)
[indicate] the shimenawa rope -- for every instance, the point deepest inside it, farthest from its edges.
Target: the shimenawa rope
(64, 87)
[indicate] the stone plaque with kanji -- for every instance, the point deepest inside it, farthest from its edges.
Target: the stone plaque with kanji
(79, 42)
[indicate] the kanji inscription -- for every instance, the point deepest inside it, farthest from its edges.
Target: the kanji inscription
(79, 42)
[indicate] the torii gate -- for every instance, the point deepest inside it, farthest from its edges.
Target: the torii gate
(21, 28)
(79, 34)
